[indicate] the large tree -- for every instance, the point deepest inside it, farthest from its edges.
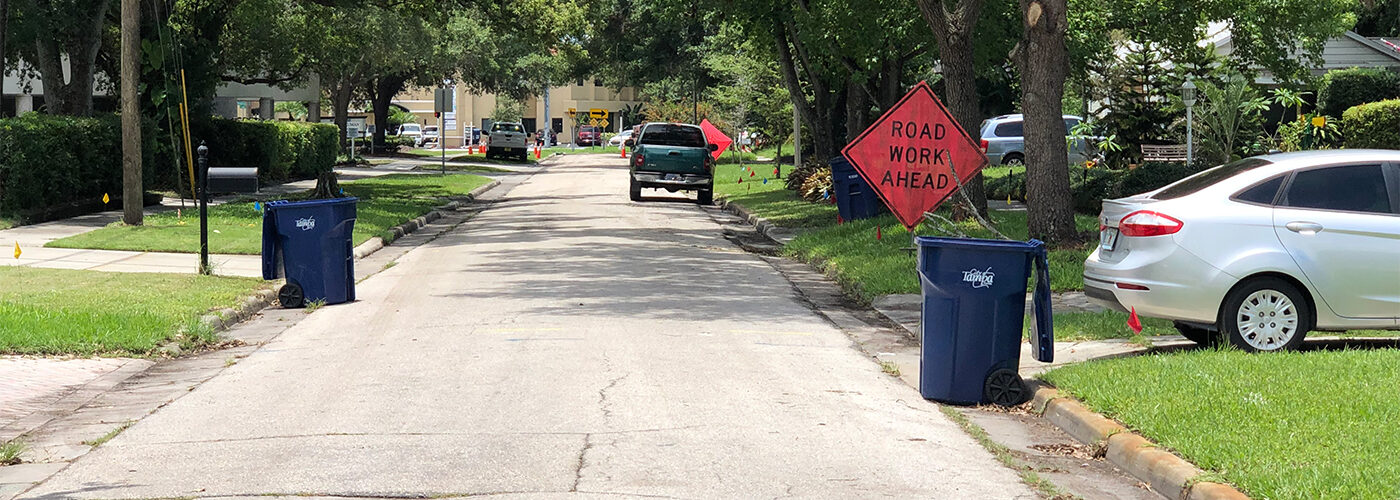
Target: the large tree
(50, 31)
(1042, 59)
(953, 23)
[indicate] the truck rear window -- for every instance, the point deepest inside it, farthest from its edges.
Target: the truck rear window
(673, 135)
(507, 127)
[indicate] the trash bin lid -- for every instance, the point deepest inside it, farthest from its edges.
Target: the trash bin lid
(312, 203)
(980, 244)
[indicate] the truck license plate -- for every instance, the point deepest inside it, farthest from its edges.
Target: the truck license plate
(671, 177)
(1108, 238)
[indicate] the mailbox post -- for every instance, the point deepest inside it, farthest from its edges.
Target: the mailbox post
(204, 209)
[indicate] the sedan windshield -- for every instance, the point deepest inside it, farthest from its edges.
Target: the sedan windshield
(1209, 178)
(673, 135)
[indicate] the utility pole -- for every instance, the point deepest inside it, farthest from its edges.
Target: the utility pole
(131, 113)
(548, 122)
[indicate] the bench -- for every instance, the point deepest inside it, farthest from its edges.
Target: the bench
(1171, 152)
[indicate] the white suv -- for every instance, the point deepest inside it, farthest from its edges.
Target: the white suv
(1260, 250)
(506, 139)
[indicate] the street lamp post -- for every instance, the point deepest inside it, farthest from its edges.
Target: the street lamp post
(1188, 97)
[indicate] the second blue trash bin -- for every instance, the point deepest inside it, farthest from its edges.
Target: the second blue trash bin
(310, 243)
(855, 199)
(974, 299)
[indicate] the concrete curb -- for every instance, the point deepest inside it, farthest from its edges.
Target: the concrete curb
(1168, 474)
(763, 226)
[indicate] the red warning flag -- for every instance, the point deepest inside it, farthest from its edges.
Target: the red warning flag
(1134, 323)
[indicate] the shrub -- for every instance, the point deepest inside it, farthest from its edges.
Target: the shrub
(1344, 88)
(1373, 125)
(52, 160)
(1012, 185)
(1303, 134)
(280, 150)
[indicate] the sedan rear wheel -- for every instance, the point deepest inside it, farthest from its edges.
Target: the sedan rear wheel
(1266, 314)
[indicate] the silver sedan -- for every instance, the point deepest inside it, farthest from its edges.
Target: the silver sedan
(1259, 251)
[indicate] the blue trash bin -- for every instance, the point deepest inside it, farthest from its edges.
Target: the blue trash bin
(974, 300)
(310, 244)
(855, 199)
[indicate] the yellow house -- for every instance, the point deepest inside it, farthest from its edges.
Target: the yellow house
(473, 111)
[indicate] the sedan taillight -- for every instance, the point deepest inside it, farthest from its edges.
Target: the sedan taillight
(1147, 223)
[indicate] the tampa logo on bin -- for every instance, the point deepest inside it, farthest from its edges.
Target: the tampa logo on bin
(306, 224)
(979, 278)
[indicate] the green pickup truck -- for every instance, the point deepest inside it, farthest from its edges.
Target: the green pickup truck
(674, 157)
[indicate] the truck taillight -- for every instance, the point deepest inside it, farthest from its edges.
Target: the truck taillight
(637, 159)
(1147, 223)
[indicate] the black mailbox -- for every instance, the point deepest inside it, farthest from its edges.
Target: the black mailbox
(233, 180)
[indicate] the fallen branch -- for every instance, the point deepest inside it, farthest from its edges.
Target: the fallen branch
(971, 208)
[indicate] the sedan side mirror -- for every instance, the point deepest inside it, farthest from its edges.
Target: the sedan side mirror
(629, 143)
(714, 147)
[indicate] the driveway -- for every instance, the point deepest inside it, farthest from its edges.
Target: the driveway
(563, 342)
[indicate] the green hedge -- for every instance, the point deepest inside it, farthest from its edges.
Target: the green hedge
(1089, 187)
(1373, 125)
(51, 160)
(1343, 88)
(280, 150)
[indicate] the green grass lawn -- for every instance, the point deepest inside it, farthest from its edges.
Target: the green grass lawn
(866, 267)
(1297, 425)
(236, 228)
(58, 311)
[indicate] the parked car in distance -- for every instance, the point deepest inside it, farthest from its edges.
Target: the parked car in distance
(674, 157)
(429, 135)
(1002, 139)
(413, 131)
(620, 138)
(589, 135)
(1259, 251)
(506, 139)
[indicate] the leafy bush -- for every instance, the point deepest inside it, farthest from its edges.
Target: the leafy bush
(1303, 134)
(1010, 186)
(1373, 125)
(1148, 177)
(280, 150)
(51, 160)
(1344, 88)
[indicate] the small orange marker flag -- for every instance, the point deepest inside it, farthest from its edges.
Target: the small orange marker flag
(1134, 323)
(106, 199)
(877, 233)
(17, 250)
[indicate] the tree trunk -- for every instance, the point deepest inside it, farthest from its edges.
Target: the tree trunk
(381, 94)
(341, 92)
(1050, 209)
(70, 96)
(857, 109)
(4, 21)
(954, 31)
(816, 114)
(132, 186)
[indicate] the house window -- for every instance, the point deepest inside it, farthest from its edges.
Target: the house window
(597, 83)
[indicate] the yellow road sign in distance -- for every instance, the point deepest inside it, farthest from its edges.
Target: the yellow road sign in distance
(598, 113)
(603, 123)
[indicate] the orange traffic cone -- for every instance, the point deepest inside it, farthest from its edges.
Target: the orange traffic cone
(624, 151)
(537, 152)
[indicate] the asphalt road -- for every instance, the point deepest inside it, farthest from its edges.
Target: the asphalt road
(565, 342)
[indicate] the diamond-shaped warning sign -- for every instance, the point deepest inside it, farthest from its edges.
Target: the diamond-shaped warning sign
(910, 153)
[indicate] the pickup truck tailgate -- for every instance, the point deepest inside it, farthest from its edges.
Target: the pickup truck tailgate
(681, 160)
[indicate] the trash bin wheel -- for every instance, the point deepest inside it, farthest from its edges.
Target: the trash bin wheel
(1005, 387)
(290, 295)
